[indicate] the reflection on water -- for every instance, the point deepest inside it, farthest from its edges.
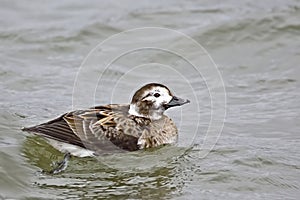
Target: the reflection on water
(133, 175)
(255, 47)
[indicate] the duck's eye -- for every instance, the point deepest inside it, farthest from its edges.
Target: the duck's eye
(157, 95)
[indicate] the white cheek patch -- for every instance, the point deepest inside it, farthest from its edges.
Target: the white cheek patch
(167, 98)
(163, 98)
(165, 95)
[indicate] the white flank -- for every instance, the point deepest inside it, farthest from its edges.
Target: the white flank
(72, 149)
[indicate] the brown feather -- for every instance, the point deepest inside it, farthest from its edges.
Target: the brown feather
(56, 129)
(94, 129)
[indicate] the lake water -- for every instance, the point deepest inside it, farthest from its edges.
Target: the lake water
(255, 46)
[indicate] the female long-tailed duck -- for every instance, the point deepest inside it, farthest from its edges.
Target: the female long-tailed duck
(138, 125)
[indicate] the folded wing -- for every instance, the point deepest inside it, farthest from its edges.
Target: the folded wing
(94, 129)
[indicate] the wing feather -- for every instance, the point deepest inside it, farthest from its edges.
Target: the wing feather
(56, 129)
(96, 129)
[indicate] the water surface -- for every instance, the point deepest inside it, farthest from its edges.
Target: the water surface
(254, 44)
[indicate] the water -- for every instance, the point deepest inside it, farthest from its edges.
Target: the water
(255, 45)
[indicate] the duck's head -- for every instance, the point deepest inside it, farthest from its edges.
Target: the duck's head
(152, 100)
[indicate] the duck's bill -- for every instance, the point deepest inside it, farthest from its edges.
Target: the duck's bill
(176, 101)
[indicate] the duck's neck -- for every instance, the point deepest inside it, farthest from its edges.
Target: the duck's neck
(146, 112)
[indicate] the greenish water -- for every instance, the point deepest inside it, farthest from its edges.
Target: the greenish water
(256, 47)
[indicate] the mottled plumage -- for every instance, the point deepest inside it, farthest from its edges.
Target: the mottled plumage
(114, 127)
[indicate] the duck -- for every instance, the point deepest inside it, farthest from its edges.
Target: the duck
(100, 129)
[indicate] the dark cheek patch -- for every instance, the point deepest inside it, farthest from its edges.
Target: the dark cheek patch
(144, 107)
